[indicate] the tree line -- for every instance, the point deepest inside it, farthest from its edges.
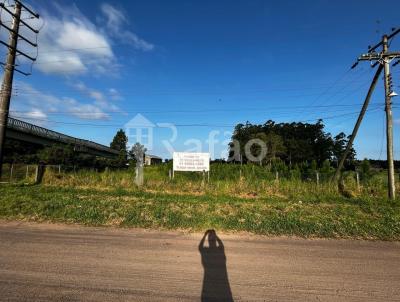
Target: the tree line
(291, 143)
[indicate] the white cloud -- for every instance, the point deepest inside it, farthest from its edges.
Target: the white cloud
(27, 96)
(114, 94)
(35, 116)
(116, 22)
(27, 100)
(81, 35)
(57, 64)
(115, 18)
(71, 44)
(85, 111)
(99, 98)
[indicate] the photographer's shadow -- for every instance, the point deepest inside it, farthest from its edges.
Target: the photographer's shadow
(215, 281)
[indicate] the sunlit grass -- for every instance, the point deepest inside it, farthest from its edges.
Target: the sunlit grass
(251, 200)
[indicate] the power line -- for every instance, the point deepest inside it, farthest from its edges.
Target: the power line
(351, 92)
(339, 101)
(330, 87)
(126, 91)
(290, 109)
(181, 125)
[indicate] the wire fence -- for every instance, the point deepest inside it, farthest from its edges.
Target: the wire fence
(14, 173)
(28, 173)
(17, 172)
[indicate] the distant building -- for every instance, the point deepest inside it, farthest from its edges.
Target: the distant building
(152, 160)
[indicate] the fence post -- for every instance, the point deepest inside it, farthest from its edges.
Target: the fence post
(59, 169)
(208, 177)
(11, 171)
(39, 173)
(277, 176)
(317, 178)
(358, 180)
(169, 174)
(27, 171)
(36, 173)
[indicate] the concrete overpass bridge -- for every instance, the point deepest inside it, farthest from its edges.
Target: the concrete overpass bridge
(26, 132)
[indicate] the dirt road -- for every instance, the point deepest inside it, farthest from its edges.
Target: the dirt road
(43, 262)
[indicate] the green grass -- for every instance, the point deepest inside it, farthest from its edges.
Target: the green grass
(262, 208)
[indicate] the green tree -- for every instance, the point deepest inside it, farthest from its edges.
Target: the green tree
(339, 146)
(20, 152)
(326, 166)
(275, 146)
(119, 143)
(291, 142)
(365, 168)
(57, 155)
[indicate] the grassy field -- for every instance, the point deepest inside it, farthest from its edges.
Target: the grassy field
(251, 200)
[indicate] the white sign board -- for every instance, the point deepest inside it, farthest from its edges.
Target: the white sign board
(191, 161)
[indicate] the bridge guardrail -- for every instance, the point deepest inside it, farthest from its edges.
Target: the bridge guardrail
(54, 135)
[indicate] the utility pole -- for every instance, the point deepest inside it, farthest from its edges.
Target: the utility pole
(6, 87)
(9, 66)
(384, 58)
(389, 121)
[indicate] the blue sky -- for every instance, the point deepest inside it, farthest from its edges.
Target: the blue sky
(205, 66)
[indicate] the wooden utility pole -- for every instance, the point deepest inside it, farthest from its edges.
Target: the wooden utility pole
(6, 87)
(9, 65)
(389, 121)
(383, 59)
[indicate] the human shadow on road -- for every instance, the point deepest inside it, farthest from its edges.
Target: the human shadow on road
(215, 281)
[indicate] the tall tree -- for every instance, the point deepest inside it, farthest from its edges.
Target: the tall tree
(119, 143)
(339, 146)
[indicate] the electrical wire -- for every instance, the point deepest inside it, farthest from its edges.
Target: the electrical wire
(125, 91)
(341, 77)
(351, 92)
(180, 125)
(288, 109)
